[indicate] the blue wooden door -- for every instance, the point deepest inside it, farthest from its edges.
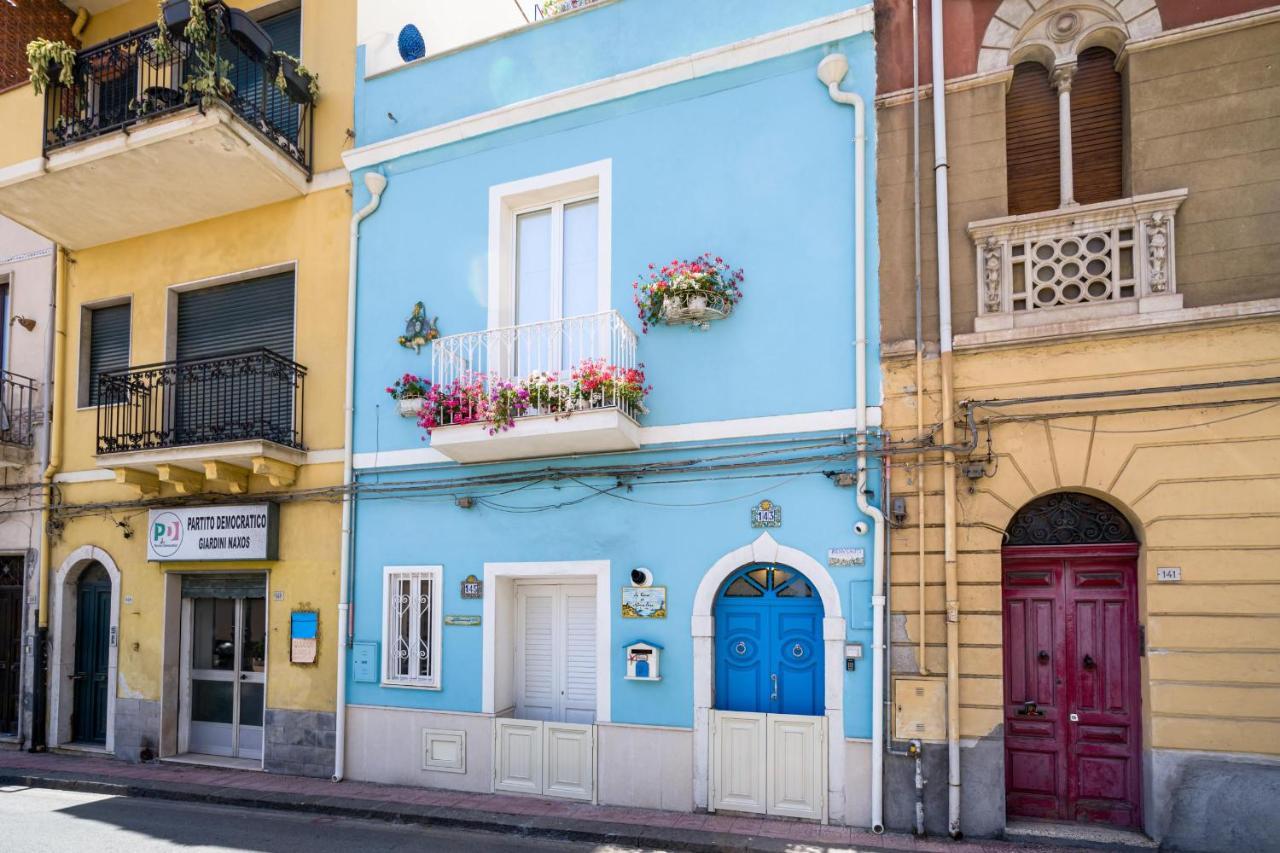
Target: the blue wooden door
(769, 643)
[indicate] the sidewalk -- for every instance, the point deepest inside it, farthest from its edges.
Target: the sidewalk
(497, 813)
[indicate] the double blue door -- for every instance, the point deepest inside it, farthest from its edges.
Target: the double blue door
(769, 643)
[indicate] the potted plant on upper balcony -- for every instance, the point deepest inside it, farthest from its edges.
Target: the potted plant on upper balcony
(410, 393)
(294, 80)
(688, 292)
(597, 384)
(50, 60)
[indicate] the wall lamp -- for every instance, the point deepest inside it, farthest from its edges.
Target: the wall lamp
(25, 322)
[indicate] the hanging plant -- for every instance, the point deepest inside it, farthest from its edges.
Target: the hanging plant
(688, 292)
(295, 80)
(210, 73)
(410, 392)
(43, 56)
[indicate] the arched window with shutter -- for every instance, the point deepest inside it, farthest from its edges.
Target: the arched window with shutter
(1097, 127)
(1031, 140)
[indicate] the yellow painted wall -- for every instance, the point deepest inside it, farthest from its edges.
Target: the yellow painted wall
(310, 231)
(1201, 485)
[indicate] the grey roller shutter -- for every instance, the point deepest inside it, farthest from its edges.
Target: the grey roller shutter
(237, 317)
(225, 585)
(108, 344)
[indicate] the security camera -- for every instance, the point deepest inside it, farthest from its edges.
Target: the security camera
(861, 528)
(641, 577)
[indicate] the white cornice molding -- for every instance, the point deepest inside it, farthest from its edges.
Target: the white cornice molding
(654, 436)
(747, 52)
(1109, 327)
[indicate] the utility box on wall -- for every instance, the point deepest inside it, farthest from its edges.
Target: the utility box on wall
(920, 709)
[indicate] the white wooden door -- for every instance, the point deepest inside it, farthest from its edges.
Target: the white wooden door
(553, 759)
(568, 760)
(738, 768)
(769, 764)
(518, 762)
(556, 652)
(796, 777)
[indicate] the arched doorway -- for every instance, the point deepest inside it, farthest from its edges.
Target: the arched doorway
(93, 642)
(769, 642)
(1072, 692)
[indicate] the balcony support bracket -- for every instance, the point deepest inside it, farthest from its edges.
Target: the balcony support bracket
(184, 480)
(146, 483)
(281, 475)
(225, 477)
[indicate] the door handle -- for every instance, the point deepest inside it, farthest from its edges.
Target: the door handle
(1088, 662)
(774, 696)
(1043, 657)
(243, 676)
(1029, 709)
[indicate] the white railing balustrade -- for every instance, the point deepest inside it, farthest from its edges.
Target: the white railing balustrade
(1103, 259)
(555, 367)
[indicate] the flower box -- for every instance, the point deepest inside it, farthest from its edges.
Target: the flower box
(410, 407)
(684, 293)
(590, 431)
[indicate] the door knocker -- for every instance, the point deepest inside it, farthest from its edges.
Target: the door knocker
(740, 648)
(797, 651)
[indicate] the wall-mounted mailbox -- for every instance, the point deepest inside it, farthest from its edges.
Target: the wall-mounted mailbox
(642, 660)
(364, 662)
(304, 633)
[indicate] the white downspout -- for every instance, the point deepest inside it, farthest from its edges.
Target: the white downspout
(376, 184)
(831, 71)
(943, 219)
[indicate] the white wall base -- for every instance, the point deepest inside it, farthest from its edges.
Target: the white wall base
(645, 767)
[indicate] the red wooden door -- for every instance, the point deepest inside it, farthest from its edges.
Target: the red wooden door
(1071, 689)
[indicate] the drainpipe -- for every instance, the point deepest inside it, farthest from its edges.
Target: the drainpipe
(948, 420)
(376, 184)
(54, 367)
(831, 71)
(81, 21)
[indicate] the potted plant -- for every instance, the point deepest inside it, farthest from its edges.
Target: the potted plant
(175, 14)
(294, 80)
(597, 384)
(50, 60)
(462, 401)
(410, 393)
(688, 292)
(248, 36)
(547, 395)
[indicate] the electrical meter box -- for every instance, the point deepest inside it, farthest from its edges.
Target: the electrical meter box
(920, 709)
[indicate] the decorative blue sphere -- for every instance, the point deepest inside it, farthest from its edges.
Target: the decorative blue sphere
(411, 44)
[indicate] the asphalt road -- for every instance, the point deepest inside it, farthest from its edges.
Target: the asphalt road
(34, 820)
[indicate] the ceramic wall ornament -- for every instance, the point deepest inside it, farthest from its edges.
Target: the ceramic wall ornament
(644, 602)
(417, 331)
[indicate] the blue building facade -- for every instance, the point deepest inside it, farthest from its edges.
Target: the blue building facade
(582, 582)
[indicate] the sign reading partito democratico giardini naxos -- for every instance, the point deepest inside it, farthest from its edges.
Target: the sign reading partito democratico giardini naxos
(244, 532)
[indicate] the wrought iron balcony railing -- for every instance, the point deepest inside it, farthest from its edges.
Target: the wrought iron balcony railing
(17, 409)
(133, 78)
(247, 396)
(575, 364)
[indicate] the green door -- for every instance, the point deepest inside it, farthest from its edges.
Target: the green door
(93, 640)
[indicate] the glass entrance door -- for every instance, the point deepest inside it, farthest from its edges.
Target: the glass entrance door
(227, 676)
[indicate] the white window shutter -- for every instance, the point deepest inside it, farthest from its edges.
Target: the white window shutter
(579, 655)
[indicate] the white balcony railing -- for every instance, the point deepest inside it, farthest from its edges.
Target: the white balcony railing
(1104, 259)
(570, 365)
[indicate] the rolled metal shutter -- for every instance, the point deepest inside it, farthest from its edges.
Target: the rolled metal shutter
(1097, 127)
(108, 344)
(239, 585)
(1031, 140)
(236, 317)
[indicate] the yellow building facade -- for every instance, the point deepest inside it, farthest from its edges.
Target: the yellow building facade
(1086, 493)
(215, 236)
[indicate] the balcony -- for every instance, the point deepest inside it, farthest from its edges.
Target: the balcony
(1077, 263)
(17, 419)
(560, 417)
(129, 130)
(204, 424)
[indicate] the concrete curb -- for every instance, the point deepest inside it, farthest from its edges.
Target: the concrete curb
(564, 829)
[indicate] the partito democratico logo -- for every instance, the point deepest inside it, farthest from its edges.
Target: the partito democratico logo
(166, 534)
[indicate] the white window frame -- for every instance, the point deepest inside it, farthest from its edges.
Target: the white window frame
(552, 190)
(435, 575)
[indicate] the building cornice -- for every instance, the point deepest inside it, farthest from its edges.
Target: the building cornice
(1129, 325)
(725, 58)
